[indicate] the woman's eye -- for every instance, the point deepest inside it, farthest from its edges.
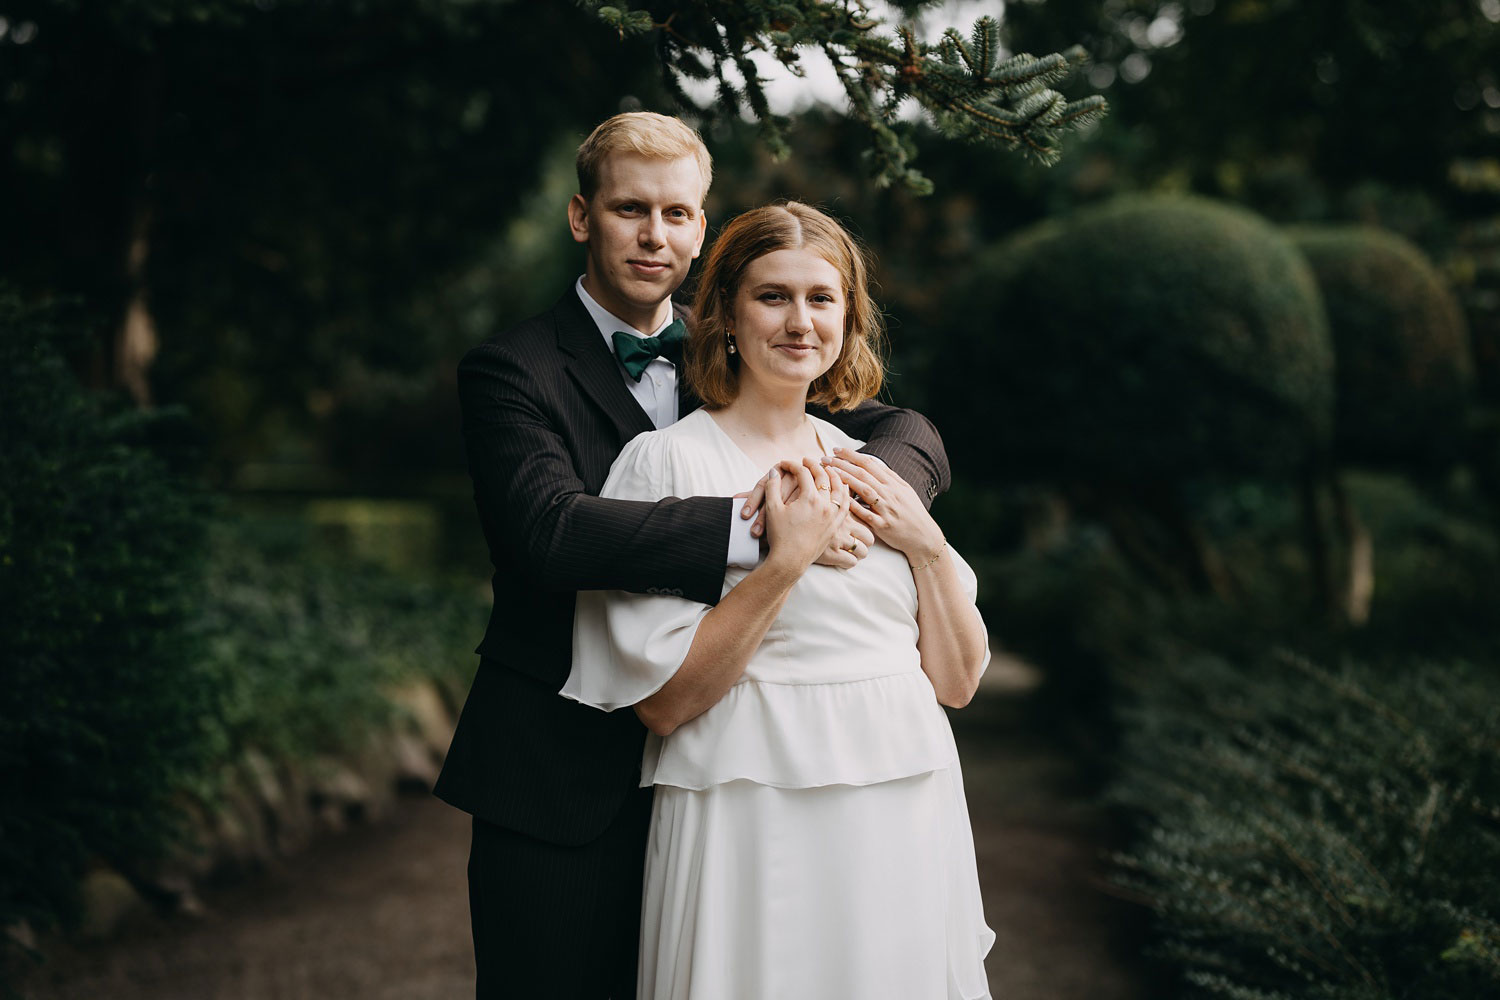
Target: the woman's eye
(770, 296)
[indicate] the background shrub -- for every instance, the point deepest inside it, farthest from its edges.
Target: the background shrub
(1315, 833)
(305, 642)
(148, 642)
(1150, 337)
(105, 692)
(1404, 374)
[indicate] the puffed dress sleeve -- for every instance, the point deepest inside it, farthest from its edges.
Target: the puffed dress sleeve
(627, 646)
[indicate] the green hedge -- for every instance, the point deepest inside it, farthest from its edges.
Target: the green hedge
(1404, 372)
(148, 641)
(1148, 339)
(304, 640)
(105, 689)
(1310, 833)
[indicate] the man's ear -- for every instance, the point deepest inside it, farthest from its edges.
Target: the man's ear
(578, 218)
(702, 233)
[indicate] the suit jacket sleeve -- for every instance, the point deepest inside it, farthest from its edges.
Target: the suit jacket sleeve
(903, 439)
(538, 513)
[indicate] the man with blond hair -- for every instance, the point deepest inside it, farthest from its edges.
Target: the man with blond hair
(559, 820)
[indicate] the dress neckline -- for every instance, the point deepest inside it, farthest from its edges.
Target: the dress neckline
(745, 455)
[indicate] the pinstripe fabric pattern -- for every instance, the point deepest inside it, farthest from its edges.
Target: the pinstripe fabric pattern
(545, 413)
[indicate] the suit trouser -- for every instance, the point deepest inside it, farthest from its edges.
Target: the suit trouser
(557, 921)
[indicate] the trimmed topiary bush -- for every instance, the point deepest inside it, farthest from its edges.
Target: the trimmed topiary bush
(1404, 374)
(104, 695)
(1151, 338)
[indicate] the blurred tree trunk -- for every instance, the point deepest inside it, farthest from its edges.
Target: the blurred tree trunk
(1344, 593)
(1318, 545)
(1153, 530)
(135, 340)
(1359, 578)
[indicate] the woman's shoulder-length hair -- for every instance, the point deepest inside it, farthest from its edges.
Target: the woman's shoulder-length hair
(713, 373)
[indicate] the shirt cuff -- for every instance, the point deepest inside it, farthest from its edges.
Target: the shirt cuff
(744, 548)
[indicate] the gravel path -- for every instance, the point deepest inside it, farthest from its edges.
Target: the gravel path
(381, 913)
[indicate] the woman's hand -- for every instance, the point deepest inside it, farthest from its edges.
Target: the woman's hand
(801, 528)
(888, 505)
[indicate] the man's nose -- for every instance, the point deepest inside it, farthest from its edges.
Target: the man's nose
(653, 230)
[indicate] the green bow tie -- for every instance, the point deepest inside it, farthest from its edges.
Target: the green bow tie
(635, 353)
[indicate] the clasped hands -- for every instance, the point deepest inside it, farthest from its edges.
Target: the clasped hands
(838, 506)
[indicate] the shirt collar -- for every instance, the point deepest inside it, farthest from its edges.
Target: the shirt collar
(608, 322)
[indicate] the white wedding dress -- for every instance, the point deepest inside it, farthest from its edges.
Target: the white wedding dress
(809, 838)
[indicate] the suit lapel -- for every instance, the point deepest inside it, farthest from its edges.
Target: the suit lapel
(593, 366)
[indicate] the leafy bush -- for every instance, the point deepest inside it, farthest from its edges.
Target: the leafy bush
(1317, 834)
(146, 645)
(104, 693)
(1404, 374)
(305, 642)
(1152, 338)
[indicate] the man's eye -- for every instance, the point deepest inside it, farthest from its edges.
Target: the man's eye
(629, 208)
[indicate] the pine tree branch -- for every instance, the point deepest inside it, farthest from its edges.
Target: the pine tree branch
(969, 87)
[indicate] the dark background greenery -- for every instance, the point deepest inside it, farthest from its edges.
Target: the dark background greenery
(320, 207)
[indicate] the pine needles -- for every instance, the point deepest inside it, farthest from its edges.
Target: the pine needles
(970, 87)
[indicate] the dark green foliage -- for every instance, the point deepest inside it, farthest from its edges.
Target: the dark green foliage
(140, 654)
(1314, 833)
(1154, 339)
(1403, 373)
(305, 181)
(105, 692)
(306, 643)
(963, 83)
(1223, 755)
(1344, 90)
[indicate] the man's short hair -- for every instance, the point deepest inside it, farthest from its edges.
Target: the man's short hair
(647, 133)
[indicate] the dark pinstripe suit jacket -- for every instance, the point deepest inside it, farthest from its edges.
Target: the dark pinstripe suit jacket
(545, 413)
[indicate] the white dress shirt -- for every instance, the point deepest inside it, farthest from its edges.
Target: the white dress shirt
(656, 392)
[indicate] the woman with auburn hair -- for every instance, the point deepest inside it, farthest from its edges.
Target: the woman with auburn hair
(809, 835)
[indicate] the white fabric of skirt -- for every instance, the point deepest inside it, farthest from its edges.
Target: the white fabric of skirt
(754, 892)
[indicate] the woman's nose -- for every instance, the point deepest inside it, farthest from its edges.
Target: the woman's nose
(799, 318)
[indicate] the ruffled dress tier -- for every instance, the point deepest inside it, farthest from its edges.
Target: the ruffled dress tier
(809, 834)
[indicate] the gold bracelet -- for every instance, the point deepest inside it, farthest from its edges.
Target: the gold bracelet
(933, 559)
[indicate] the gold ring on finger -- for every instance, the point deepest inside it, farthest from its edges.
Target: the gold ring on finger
(824, 489)
(851, 547)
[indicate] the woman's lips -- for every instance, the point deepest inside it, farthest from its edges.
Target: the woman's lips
(798, 349)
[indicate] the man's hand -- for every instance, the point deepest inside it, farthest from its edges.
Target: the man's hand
(753, 505)
(849, 546)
